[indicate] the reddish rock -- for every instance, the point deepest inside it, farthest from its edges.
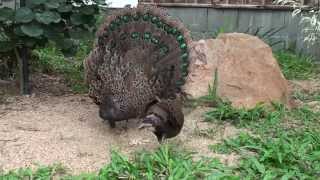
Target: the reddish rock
(247, 71)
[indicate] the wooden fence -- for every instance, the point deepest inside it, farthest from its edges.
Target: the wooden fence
(205, 21)
(8, 3)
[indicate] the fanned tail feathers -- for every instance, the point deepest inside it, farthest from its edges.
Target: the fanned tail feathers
(148, 36)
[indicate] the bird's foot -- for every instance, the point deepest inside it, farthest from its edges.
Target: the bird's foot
(125, 127)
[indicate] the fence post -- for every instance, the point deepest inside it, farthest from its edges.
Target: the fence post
(24, 71)
(24, 65)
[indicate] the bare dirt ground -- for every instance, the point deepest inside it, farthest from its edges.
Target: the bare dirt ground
(45, 129)
(55, 126)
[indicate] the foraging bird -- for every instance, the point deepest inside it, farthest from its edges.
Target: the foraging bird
(137, 69)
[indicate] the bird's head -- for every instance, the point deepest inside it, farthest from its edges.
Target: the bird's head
(153, 123)
(161, 127)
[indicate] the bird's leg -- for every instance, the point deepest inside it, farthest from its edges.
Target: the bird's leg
(112, 123)
(126, 125)
(161, 139)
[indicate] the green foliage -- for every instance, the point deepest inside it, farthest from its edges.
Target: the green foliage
(165, 163)
(282, 143)
(296, 67)
(210, 100)
(50, 60)
(289, 155)
(307, 96)
(41, 21)
(225, 112)
(42, 173)
(309, 19)
(266, 35)
(261, 32)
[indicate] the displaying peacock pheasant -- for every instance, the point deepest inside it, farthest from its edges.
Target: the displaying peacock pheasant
(138, 67)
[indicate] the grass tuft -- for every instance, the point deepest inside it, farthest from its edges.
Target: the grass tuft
(288, 155)
(297, 67)
(165, 163)
(224, 112)
(42, 173)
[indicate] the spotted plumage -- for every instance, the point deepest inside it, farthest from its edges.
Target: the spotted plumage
(139, 63)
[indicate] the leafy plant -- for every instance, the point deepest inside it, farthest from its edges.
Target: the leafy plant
(309, 19)
(261, 32)
(212, 98)
(38, 22)
(50, 60)
(266, 35)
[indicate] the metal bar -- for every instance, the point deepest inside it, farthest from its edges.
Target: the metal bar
(24, 71)
(24, 65)
(227, 6)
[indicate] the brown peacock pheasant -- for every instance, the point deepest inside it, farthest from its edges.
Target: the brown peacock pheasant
(138, 67)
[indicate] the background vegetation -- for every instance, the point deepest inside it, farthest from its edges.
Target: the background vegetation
(36, 23)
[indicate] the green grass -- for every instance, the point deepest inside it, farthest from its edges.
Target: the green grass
(50, 60)
(280, 144)
(42, 173)
(297, 67)
(307, 96)
(287, 154)
(167, 162)
(224, 112)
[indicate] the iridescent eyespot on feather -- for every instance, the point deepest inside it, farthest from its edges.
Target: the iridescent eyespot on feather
(147, 36)
(185, 73)
(180, 38)
(174, 31)
(184, 57)
(146, 17)
(183, 46)
(126, 18)
(167, 28)
(137, 17)
(135, 35)
(164, 49)
(155, 20)
(118, 21)
(154, 40)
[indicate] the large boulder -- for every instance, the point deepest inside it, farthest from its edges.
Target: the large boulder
(247, 72)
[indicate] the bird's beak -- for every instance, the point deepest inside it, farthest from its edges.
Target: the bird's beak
(148, 127)
(145, 125)
(148, 123)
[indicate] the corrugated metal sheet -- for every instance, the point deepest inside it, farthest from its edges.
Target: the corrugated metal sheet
(8, 3)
